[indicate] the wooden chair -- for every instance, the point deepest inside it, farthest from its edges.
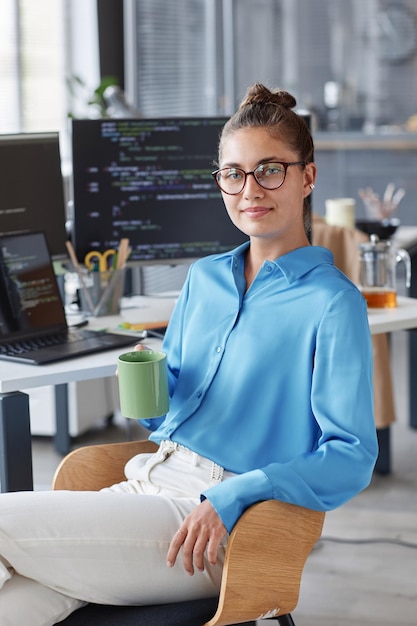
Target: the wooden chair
(265, 555)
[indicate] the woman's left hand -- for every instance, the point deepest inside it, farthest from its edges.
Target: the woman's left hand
(202, 529)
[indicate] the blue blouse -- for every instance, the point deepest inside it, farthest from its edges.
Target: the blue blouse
(273, 383)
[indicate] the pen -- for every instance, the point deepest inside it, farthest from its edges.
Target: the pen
(75, 263)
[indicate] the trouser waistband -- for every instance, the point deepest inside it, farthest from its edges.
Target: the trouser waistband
(168, 447)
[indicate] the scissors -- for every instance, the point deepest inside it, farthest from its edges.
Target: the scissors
(100, 261)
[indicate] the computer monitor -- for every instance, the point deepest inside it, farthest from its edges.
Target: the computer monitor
(31, 188)
(149, 180)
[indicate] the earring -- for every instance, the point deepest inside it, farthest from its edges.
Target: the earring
(312, 186)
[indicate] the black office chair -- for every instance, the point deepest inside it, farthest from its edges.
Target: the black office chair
(265, 554)
(193, 613)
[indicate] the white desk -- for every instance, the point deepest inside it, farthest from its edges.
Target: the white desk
(15, 376)
(15, 436)
(403, 317)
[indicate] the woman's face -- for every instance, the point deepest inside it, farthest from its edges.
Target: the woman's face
(270, 215)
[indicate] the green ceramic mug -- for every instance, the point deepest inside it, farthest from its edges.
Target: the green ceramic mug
(143, 384)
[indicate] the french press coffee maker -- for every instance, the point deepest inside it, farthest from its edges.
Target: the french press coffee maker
(377, 271)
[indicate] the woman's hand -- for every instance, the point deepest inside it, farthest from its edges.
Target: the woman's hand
(202, 529)
(140, 346)
(137, 348)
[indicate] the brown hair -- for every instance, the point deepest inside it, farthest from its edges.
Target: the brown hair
(272, 110)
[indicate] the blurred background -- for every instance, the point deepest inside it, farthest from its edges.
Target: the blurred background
(351, 63)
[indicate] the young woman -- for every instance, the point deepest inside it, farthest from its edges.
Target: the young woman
(270, 374)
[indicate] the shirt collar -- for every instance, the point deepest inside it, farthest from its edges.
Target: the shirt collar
(299, 262)
(294, 264)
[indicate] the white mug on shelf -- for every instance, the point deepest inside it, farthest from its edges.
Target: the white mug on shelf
(340, 212)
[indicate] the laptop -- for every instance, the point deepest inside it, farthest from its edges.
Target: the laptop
(33, 325)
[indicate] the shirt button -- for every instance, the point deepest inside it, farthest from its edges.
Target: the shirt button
(199, 394)
(268, 268)
(218, 349)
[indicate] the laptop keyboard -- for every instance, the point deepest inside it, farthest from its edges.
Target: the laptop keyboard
(35, 343)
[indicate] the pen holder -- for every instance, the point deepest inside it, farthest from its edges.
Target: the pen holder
(101, 292)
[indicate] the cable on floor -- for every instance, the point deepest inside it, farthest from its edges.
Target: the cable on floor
(396, 542)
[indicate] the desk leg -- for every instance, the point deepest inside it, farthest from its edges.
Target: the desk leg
(383, 463)
(15, 443)
(412, 343)
(62, 439)
(412, 334)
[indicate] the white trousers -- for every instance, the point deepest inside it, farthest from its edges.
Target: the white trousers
(61, 549)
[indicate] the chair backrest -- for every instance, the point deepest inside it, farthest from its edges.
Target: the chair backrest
(342, 242)
(92, 468)
(265, 557)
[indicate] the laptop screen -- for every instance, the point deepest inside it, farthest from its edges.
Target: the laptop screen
(30, 303)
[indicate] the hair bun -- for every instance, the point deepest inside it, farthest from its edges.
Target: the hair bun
(259, 94)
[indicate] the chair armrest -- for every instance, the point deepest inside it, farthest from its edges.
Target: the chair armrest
(265, 557)
(92, 468)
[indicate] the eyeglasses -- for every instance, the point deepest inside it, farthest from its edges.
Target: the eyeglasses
(232, 180)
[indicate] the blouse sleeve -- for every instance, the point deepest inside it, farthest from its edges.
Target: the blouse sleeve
(340, 464)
